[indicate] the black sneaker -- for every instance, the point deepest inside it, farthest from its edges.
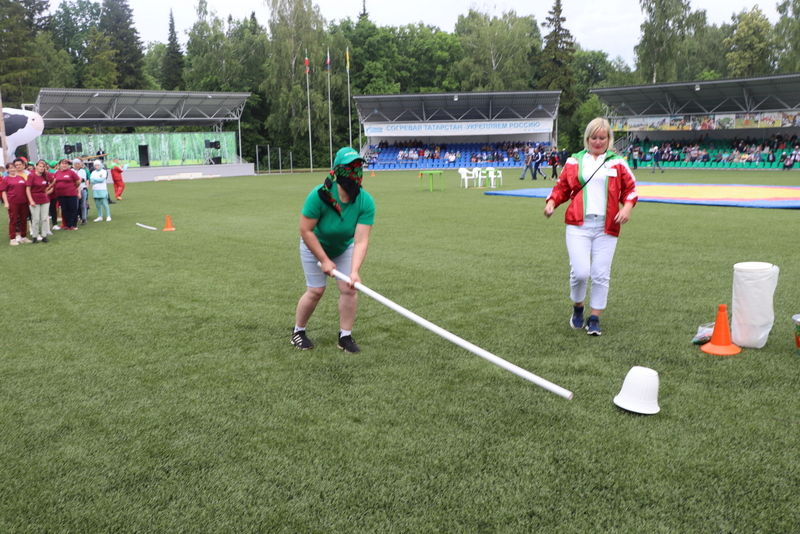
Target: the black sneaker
(576, 320)
(347, 344)
(301, 341)
(593, 326)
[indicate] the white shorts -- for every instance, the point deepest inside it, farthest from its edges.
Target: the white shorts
(314, 275)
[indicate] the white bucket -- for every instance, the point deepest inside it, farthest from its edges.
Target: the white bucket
(752, 315)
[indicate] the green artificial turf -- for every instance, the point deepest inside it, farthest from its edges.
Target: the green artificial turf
(147, 383)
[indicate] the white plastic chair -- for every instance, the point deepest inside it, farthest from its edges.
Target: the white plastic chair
(495, 176)
(480, 176)
(466, 176)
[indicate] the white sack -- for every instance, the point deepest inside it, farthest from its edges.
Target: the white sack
(752, 315)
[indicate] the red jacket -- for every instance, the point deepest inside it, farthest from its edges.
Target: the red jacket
(621, 189)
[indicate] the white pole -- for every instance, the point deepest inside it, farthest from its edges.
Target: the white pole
(308, 101)
(4, 153)
(330, 122)
(349, 111)
(519, 371)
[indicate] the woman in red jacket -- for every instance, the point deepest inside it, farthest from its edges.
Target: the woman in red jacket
(597, 182)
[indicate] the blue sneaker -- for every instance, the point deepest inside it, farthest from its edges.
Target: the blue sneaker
(593, 326)
(576, 321)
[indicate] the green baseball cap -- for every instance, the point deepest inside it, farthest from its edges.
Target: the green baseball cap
(346, 155)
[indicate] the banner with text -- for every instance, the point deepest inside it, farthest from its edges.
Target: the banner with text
(444, 129)
(718, 121)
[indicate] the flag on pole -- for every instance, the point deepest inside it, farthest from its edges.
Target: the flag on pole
(307, 64)
(347, 57)
(328, 60)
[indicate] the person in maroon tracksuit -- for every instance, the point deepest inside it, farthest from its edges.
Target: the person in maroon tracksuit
(15, 199)
(66, 191)
(39, 181)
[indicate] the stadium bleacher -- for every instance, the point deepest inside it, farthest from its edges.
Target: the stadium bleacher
(387, 157)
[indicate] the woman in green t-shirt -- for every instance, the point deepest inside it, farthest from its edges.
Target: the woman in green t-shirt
(334, 230)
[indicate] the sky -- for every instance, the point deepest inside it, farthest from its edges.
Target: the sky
(612, 28)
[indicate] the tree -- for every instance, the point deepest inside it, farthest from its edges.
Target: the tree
(18, 64)
(701, 54)
(70, 25)
(203, 65)
(662, 31)
(153, 63)
(55, 68)
(499, 53)
(751, 45)
(556, 60)
(787, 36)
(117, 23)
(101, 65)
(172, 67)
(425, 56)
(36, 18)
(298, 31)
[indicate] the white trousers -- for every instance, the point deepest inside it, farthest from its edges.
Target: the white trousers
(591, 252)
(40, 220)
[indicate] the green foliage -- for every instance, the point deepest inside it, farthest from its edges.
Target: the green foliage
(55, 66)
(498, 52)
(172, 66)
(662, 32)
(100, 71)
(18, 62)
(70, 26)
(702, 49)
(116, 22)
(787, 36)
(750, 45)
(154, 61)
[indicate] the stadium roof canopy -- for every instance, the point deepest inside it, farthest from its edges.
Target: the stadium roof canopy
(458, 106)
(103, 107)
(745, 95)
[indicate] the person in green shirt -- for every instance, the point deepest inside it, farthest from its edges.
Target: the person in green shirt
(334, 231)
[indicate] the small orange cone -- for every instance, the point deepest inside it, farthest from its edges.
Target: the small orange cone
(720, 344)
(372, 173)
(169, 227)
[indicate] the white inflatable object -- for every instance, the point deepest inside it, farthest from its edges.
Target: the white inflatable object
(639, 391)
(752, 315)
(22, 127)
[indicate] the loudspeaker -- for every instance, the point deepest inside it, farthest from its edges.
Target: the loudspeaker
(78, 147)
(215, 144)
(69, 149)
(208, 143)
(144, 155)
(216, 161)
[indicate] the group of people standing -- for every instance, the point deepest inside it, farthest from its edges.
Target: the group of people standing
(37, 193)
(338, 215)
(536, 156)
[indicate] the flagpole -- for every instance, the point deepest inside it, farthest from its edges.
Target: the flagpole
(4, 152)
(349, 111)
(330, 123)
(308, 102)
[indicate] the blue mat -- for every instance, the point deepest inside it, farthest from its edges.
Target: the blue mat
(737, 195)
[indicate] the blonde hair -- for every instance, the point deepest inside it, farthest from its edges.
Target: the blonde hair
(598, 123)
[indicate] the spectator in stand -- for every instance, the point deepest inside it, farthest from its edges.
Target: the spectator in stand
(39, 182)
(66, 190)
(13, 189)
(788, 162)
(597, 182)
(116, 177)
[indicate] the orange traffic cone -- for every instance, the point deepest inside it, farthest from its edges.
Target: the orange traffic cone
(372, 173)
(169, 227)
(720, 344)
